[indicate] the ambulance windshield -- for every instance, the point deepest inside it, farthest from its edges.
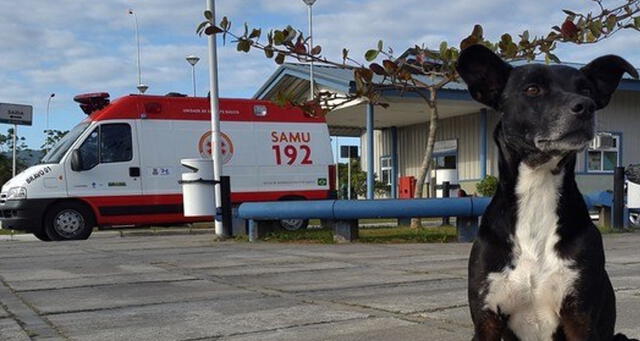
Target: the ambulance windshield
(59, 149)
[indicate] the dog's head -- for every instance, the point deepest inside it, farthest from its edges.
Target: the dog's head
(550, 109)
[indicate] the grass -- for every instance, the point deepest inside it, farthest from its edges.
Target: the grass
(441, 234)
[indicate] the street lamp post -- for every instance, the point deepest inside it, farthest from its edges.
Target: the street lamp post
(215, 118)
(48, 103)
(141, 87)
(309, 12)
(193, 60)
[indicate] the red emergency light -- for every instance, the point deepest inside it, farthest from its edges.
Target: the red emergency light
(93, 101)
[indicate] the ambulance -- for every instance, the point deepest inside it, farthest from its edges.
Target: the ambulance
(121, 165)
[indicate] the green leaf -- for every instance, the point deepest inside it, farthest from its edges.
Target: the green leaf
(208, 14)
(371, 55)
(212, 30)
(268, 52)
(377, 69)
(280, 58)
(525, 35)
(201, 27)
(443, 49)
(380, 45)
(316, 50)
(243, 45)
(278, 37)
(225, 24)
(345, 54)
(255, 33)
(246, 30)
(551, 57)
(568, 12)
(611, 22)
(636, 22)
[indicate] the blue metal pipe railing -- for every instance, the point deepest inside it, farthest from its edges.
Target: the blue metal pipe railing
(359, 209)
(390, 208)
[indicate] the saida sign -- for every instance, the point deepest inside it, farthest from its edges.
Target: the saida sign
(16, 114)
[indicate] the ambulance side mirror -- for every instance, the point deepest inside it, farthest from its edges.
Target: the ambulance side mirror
(76, 161)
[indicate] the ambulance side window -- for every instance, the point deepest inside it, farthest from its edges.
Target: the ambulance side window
(115, 143)
(89, 150)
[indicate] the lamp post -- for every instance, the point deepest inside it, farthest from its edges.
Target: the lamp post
(310, 3)
(141, 87)
(215, 117)
(193, 60)
(48, 103)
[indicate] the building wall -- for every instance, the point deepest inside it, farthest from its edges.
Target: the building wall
(621, 116)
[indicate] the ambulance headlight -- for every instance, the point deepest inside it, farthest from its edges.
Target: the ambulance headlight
(17, 193)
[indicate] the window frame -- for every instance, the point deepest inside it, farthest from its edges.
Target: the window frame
(98, 128)
(618, 149)
(388, 168)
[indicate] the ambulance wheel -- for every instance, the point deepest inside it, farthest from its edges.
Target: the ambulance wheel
(68, 221)
(294, 224)
(42, 235)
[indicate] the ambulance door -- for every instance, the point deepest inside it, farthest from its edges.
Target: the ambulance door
(107, 165)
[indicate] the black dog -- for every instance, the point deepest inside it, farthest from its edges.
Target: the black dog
(537, 268)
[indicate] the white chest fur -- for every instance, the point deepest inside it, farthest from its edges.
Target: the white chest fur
(531, 290)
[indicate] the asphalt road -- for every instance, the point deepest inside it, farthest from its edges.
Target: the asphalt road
(191, 288)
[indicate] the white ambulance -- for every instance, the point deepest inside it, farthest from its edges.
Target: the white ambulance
(121, 165)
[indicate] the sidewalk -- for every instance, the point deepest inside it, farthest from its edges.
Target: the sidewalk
(187, 287)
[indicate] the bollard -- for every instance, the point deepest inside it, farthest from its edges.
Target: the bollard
(253, 230)
(227, 217)
(618, 198)
(445, 194)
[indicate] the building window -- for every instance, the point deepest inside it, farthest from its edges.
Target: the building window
(445, 161)
(385, 170)
(603, 158)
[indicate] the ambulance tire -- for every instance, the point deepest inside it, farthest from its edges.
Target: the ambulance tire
(42, 235)
(69, 220)
(293, 224)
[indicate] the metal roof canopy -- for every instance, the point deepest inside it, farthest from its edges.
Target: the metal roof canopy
(405, 108)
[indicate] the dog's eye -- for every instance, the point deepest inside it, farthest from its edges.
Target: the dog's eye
(532, 90)
(585, 91)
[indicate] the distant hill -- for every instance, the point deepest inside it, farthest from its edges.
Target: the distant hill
(29, 157)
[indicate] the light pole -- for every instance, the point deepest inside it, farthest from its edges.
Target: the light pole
(48, 103)
(193, 60)
(215, 118)
(309, 12)
(141, 87)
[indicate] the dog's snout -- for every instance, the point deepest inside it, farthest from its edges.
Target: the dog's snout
(583, 108)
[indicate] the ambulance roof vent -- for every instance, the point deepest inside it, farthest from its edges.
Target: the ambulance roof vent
(93, 101)
(175, 94)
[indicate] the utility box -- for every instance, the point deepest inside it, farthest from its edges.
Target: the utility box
(198, 188)
(407, 187)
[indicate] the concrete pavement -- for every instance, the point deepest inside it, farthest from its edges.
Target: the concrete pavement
(191, 288)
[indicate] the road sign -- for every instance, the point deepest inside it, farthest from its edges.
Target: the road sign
(16, 114)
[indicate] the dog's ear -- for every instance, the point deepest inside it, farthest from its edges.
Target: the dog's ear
(485, 74)
(605, 73)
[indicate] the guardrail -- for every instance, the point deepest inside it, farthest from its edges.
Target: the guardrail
(343, 215)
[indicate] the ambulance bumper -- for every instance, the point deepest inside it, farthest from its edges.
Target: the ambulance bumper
(24, 215)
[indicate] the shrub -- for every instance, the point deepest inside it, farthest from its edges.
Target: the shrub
(488, 186)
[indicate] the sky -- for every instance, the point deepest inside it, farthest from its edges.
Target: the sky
(68, 47)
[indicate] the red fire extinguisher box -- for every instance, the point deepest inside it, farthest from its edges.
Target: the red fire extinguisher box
(407, 187)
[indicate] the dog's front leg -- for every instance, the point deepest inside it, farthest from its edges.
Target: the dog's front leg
(489, 326)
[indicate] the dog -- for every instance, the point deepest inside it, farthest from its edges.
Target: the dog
(537, 266)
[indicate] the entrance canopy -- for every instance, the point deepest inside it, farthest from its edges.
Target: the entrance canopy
(405, 108)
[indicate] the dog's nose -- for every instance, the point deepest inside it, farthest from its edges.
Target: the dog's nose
(583, 108)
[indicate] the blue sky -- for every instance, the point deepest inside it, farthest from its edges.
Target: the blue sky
(70, 47)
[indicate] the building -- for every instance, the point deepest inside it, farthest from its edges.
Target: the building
(464, 138)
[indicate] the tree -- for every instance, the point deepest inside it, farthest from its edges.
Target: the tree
(6, 151)
(424, 70)
(52, 136)
(358, 181)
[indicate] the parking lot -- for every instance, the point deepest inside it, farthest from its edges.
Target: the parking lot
(187, 287)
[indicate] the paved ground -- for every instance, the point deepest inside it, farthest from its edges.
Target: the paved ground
(190, 288)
